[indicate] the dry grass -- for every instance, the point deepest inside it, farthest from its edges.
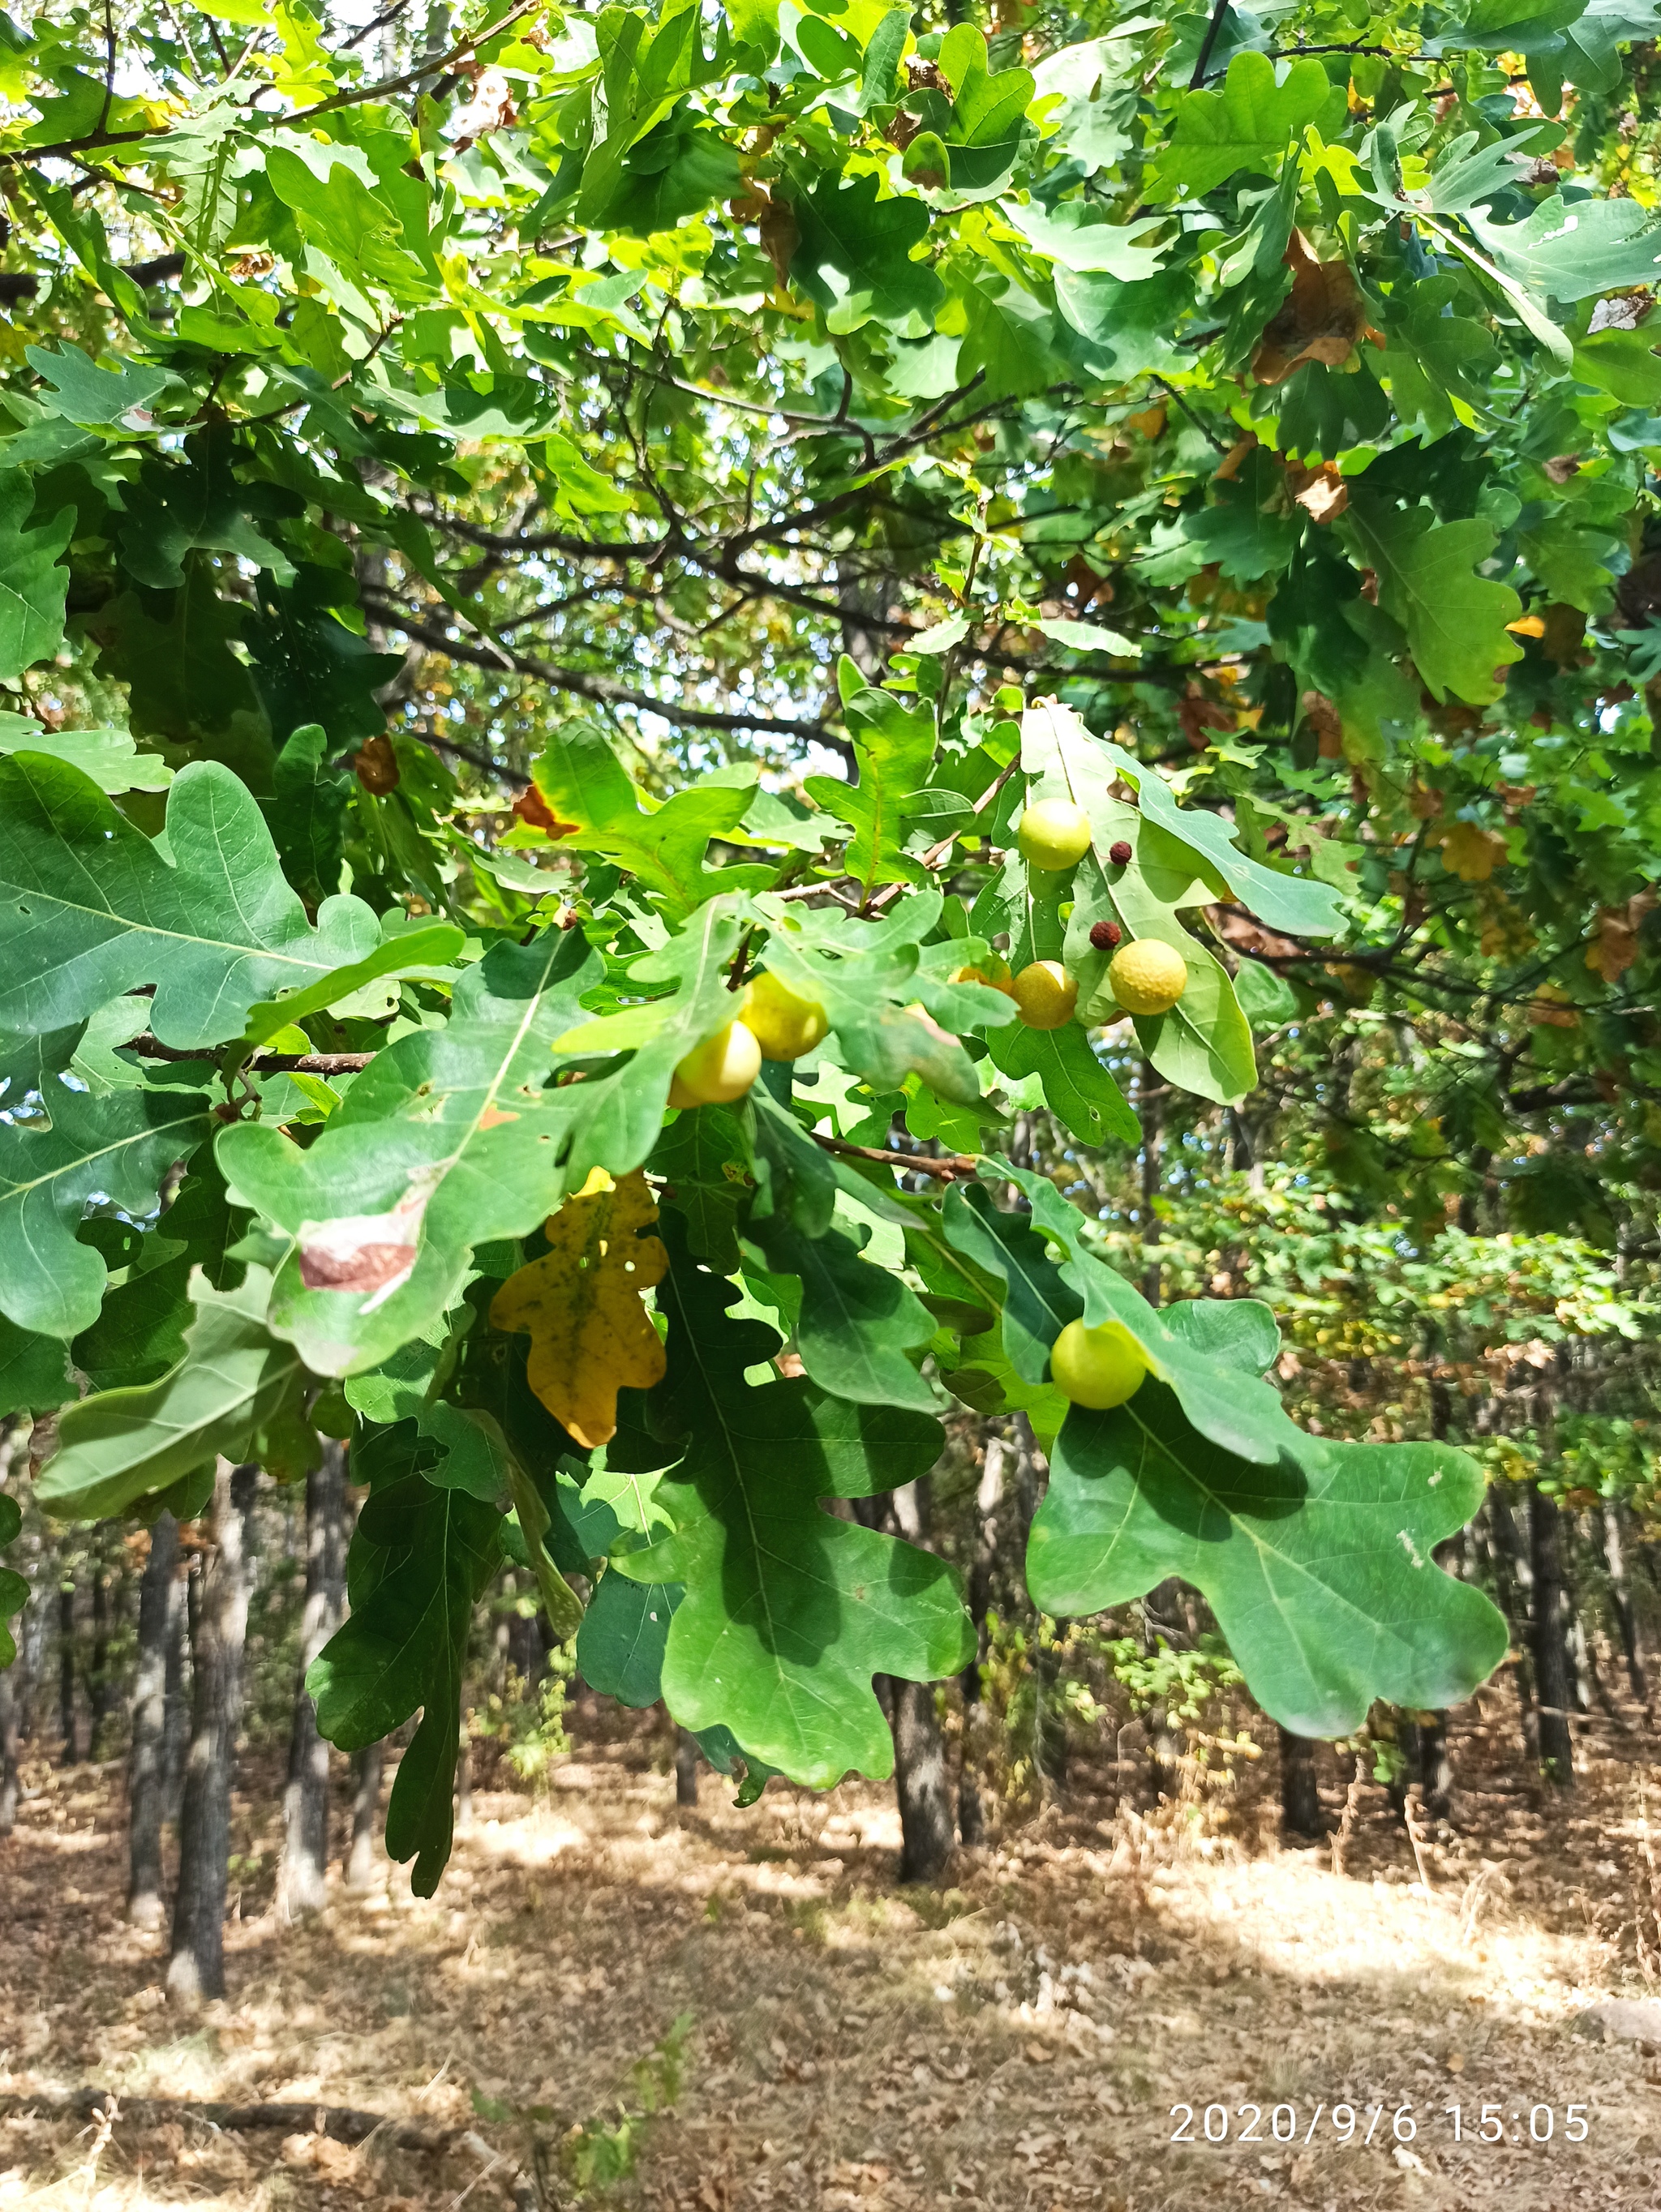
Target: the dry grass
(1017, 2042)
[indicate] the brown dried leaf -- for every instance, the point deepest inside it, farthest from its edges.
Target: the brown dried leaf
(1321, 492)
(377, 767)
(1322, 318)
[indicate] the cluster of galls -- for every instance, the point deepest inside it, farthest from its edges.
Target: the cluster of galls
(1146, 976)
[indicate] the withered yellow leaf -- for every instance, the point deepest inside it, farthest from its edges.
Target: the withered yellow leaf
(581, 1305)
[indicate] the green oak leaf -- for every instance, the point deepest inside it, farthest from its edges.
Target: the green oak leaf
(420, 1560)
(236, 1392)
(893, 1012)
(1455, 620)
(624, 1634)
(857, 1319)
(185, 685)
(617, 1116)
(139, 1332)
(1078, 236)
(33, 582)
(451, 1137)
(79, 390)
(789, 1611)
(1317, 1566)
(600, 810)
(175, 507)
(424, 951)
(109, 756)
(306, 811)
(1070, 761)
(13, 1590)
(90, 908)
(894, 747)
(1248, 124)
(119, 1148)
(1242, 1415)
(704, 1159)
(1571, 250)
(34, 1371)
(1077, 1088)
(853, 255)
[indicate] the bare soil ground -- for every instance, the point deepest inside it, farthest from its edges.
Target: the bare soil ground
(1019, 2041)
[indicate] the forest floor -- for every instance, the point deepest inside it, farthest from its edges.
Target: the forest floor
(1018, 2040)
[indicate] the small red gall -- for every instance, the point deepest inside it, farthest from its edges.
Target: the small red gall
(1105, 935)
(1119, 854)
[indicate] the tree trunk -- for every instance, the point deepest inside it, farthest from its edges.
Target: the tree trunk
(10, 1778)
(363, 1863)
(1514, 1574)
(1551, 1675)
(1436, 1766)
(101, 1686)
(66, 1726)
(196, 1969)
(175, 1733)
(686, 1768)
(1626, 1617)
(927, 1829)
(147, 1778)
(1300, 1798)
(465, 1783)
(1409, 1741)
(302, 1878)
(927, 1822)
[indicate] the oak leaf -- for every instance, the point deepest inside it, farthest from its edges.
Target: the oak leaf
(581, 1305)
(1472, 853)
(1322, 318)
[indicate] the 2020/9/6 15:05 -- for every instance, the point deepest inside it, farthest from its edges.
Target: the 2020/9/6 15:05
(1489, 2124)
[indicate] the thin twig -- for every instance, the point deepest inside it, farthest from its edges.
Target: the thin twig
(956, 1167)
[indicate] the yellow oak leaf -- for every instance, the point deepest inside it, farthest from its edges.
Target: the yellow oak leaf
(581, 1305)
(1472, 853)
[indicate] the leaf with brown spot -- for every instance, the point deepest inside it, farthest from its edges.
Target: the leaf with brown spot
(534, 811)
(581, 1305)
(1322, 318)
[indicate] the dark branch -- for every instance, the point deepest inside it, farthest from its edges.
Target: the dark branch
(581, 684)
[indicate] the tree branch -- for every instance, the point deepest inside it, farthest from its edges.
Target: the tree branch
(582, 686)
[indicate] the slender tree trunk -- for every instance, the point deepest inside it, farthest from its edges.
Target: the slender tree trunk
(100, 1691)
(302, 1878)
(927, 1820)
(66, 1721)
(465, 1783)
(1514, 1573)
(1409, 1741)
(923, 1783)
(196, 1970)
(147, 1778)
(686, 1768)
(1436, 1766)
(1552, 1672)
(362, 1862)
(11, 1776)
(1626, 1617)
(175, 1733)
(1300, 1797)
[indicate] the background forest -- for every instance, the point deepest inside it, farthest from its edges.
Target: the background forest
(520, 525)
